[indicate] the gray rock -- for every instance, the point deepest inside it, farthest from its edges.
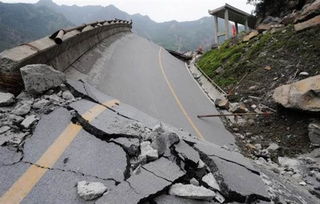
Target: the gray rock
(38, 78)
(238, 108)
(22, 108)
(90, 190)
(314, 133)
(67, 95)
(147, 151)
(12, 138)
(4, 129)
(303, 74)
(28, 121)
(191, 192)
(6, 99)
(15, 118)
(211, 181)
(41, 104)
(194, 182)
(288, 162)
(273, 147)
(303, 95)
(222, 103)
(163, 140)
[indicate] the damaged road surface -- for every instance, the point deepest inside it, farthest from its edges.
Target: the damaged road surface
(96, 149)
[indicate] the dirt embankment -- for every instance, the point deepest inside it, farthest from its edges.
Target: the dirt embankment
(250, 71)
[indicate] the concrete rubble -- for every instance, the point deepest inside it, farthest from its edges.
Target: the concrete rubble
(90, 190)
(146, 163)
(6, 99)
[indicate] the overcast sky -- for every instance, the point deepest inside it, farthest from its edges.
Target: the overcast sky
(159, 10)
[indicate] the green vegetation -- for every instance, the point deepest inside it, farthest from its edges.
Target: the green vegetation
(279, 49)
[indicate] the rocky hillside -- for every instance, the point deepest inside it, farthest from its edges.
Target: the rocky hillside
(249, 68)
(20, 23)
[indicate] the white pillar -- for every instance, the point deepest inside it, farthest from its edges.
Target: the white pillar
(247, 25)
(216, 27)
(226, 22)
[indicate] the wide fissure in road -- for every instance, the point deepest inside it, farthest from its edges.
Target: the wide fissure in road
(144, 75)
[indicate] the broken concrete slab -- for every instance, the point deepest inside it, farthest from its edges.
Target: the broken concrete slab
(131, 145)
(211, 149)
(12, 138)
(186, 152)
(211, 181)
(6, 99)
(169, 199)
(90, 190)
(62, 187)
(165, 169)
(236, 182)
(151, 179)
(192, 192)
(38, 78)
(9, 156)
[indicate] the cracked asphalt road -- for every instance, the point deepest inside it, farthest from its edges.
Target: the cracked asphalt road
(144, 75)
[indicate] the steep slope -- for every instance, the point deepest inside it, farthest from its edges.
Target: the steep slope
(250, 71)
(21, 23)
(180, 36)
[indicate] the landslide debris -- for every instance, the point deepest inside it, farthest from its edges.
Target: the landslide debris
(271, 78)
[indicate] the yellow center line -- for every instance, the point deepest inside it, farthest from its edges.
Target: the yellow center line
(23, 186)
(183, 110)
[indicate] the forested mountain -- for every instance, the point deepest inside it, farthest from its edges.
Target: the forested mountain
(20, 23)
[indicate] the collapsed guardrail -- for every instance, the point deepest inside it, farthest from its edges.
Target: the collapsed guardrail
(59, 50)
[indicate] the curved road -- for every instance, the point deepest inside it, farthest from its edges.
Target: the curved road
(144, 75)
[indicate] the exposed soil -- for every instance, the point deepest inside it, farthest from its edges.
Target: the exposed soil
(240, 69)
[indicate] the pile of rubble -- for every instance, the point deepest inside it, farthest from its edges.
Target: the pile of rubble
(164, 164)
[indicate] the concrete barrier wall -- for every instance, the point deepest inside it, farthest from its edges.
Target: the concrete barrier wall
(75, 42)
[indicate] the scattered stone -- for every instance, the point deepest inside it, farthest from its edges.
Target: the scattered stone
(314, 133)
(191, 192)
(194, 182)
(28, 121)
(302, 183)
(4, 129)
(304, 74)
(222, 103)
(250, 36)
(211, 181)
(288, 162)
(90, 190)
(163, 139)
(147, 151)
(309, 11)
(302, 95)
(238, 108)
(268, 68)
(67, 95)
(22, 108)
(273, 147)
(6, 99)
(15, 118)
(253, 88)
(38, 78)
(307, 24)
(41, 104)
